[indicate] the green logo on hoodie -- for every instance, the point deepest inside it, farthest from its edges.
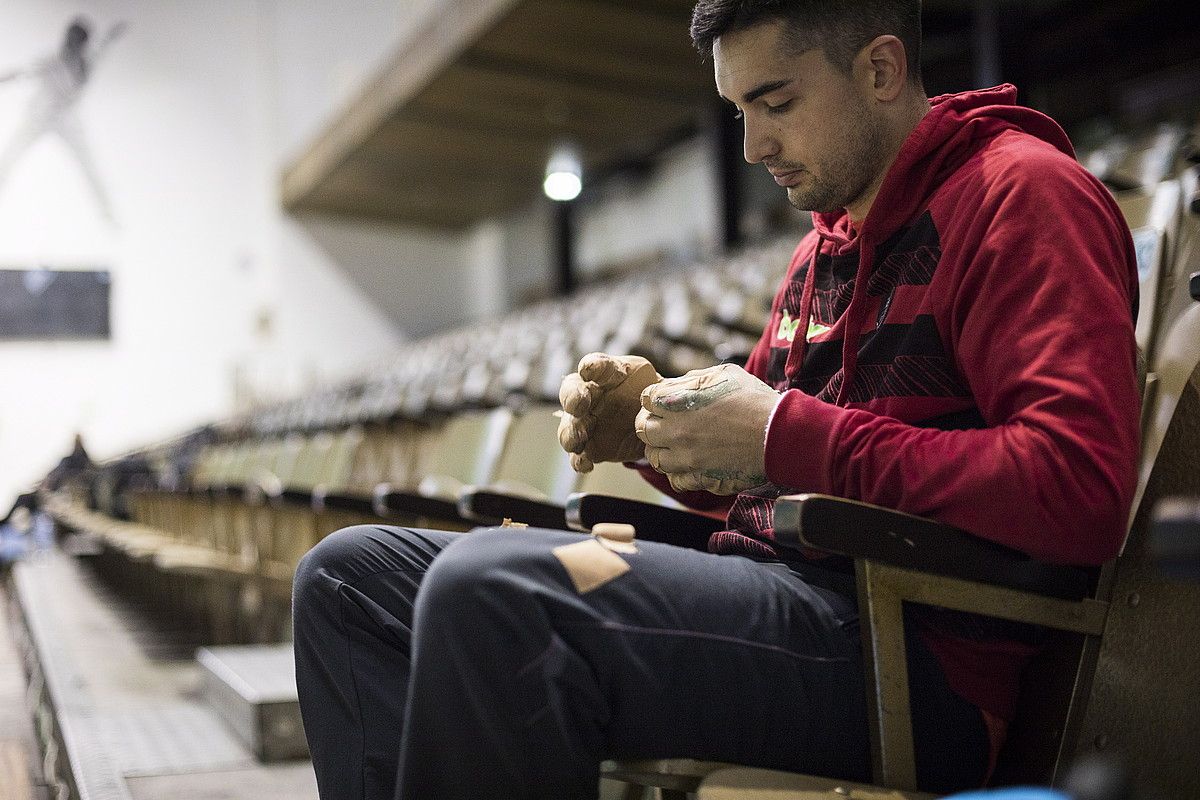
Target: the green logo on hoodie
(788, 327)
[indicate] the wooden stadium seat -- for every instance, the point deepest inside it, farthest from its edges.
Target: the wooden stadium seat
(1119, 666)
(461, 451)
(1155, 218)
(535, 484)
(532, 479)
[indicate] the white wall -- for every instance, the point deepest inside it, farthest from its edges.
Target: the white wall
(418, 278)
(212, 287)
(219, 298)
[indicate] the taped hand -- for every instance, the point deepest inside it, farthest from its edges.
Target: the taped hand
(600, 403)
(707, 429)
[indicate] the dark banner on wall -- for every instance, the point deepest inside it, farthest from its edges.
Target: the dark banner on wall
(54, 304)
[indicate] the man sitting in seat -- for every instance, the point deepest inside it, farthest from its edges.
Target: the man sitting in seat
(954, 339)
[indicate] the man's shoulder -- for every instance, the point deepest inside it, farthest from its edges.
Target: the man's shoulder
(1017, 159)
(1016, 170)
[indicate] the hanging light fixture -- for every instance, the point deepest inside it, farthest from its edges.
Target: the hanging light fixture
(564, 174)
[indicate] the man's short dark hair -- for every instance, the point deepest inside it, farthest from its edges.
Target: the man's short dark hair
(839, 27)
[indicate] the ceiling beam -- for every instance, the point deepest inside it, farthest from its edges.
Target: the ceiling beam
(429, 50)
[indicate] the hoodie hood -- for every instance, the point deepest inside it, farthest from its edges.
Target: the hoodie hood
(956, 126)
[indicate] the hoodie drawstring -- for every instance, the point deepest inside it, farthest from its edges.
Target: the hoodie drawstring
(795, 359)
(854, 318)
(855, 312)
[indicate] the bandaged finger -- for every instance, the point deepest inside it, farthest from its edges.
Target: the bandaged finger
(577, 396)
(648, 428)
(608, 371)
(654, 457)
(574, 432)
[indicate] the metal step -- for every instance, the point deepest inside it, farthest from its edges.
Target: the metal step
(253, 688)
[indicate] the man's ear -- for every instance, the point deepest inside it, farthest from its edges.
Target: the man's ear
(886, 63)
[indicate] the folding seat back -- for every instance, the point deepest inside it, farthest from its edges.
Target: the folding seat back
(335, 468)
(218, 464)
(617, 480)
(208, 518)
(310, 461)
(1125, 163)
(209, 462)
(234, 528)
(286, 530)
(464, 452)
(533, 464)
(249, 457)
(1154, 217)
(388, 454)
(279, 469)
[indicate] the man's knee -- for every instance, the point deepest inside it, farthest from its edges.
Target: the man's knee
(328, 564)
(485, 569)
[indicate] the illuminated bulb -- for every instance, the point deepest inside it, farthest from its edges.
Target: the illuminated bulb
(562, 186)
(564, 174)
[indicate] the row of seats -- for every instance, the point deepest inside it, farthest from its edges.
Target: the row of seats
(679, 320)
(472, 408)
(1127, 163)
(255, 507)
(243, 499)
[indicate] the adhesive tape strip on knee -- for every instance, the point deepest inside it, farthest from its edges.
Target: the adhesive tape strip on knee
(616, 536)
(614, 531)
(590, 564)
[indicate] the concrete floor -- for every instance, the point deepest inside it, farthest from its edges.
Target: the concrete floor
(144, 710)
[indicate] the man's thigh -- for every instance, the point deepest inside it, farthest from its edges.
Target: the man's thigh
(714, 657)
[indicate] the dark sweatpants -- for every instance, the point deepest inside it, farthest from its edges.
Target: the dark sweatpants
(435, 665)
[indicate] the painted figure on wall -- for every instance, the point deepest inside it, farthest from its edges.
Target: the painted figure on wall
(61, 78)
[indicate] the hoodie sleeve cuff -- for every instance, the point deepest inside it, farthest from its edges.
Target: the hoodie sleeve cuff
(800, 442)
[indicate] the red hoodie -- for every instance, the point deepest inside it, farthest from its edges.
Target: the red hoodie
(972, 360)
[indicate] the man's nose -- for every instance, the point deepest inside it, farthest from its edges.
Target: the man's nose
(759, 144)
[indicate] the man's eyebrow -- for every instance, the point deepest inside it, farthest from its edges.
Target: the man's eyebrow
(761, 89)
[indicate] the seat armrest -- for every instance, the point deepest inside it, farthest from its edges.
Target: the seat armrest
(491, 506)
(861, 530)
(388, 501)
(295, 497)
(324, 500)
(653, 523)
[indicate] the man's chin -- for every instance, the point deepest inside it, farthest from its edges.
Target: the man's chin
(807, 201)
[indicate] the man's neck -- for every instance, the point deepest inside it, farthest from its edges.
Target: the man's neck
(897, 135)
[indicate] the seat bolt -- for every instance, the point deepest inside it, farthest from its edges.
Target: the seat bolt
(1134, 599)
(1102, 741)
